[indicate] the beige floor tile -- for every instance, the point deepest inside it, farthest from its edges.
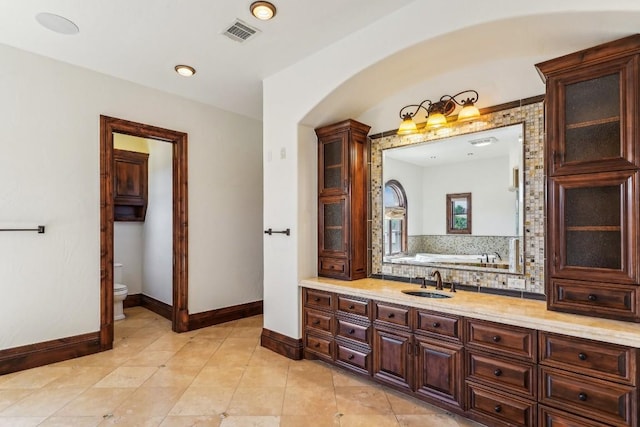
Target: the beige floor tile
(96, 402)
(368, 400)
(81, 377)
(224, 358)
(214, 332)
(127, 376)
(42, 402)
(402, 404)
(264, 357)
(172, 376)
(149, 402)
(263, 376)
(345, 379)
(309, 401)
(203, 401)
(169, 342)
(241, 332)
(257, 401)
(433, 420)
(368, 421)
(307, 373)
(250, 421)
(216, 376)
(253, 321)
(20, 421)
(319, 420)
(10, 396)
(191, 421)
(71, 422)
(131, 420)
(35, 378)
(150, 358)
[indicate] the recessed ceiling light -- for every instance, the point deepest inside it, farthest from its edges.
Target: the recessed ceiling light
(185, 70)
(57, 23)
(263, 10)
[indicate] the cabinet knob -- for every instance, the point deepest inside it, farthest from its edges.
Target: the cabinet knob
(317, 345)
(582, 397)
(351, 356)
(316, 322)
(592, 297)
(497, 372)
(317, 299)
(436, 325)
(351, 307)
(391, 315)
(497, 408)
(352, 331)
(496, 338)
(582, 356)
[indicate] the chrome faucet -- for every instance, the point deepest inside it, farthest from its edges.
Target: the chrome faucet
(438, 277)
(485, 256)
(498, 255)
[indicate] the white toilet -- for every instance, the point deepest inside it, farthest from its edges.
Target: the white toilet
(119, 292)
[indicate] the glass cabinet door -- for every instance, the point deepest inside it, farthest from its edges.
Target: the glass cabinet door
(332, 217)
(590, 132)
(332, 164)
(592, 226)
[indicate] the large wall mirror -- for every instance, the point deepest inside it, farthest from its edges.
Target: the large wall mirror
(432, 225)
(505, 205)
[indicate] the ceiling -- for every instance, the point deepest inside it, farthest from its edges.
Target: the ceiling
(142, 40)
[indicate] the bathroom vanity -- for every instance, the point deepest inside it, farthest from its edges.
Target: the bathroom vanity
(499, 360)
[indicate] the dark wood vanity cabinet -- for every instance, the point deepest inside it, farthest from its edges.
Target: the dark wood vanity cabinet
(130, 186)
(342, 200)
(593, 161)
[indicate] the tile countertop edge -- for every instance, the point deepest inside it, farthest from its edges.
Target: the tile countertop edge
(502, 309)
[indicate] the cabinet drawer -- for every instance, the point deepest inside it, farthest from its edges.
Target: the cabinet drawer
(516, 376)
(594, 298)
(318, 320)
(550, 417)
(332, 267)
(320, 346)
(449, 326)
(353, 306)
(505, 339)
(353, 357)
(398, 315)
(601, 360)
(507, 409)
(354, 331)
(603, 400)
(318, 299)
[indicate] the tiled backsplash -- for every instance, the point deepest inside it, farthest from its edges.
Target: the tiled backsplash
(532, 117)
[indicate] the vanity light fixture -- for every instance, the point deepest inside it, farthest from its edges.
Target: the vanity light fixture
(263, 10)
(483, 142)
(438, 111)
(185, 70)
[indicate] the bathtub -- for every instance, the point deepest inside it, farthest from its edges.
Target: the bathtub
(454, 258)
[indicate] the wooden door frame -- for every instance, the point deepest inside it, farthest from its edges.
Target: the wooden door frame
(109, 126)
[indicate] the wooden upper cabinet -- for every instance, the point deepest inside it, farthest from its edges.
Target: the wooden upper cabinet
(130, 187)
(342, 200)
(592, 109)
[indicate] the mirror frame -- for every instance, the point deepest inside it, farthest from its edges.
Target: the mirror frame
(530, 113)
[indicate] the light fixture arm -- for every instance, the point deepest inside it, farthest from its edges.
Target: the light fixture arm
(469, 99)
(407, 115)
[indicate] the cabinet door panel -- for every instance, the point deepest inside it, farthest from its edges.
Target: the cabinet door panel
(332, 218)
(392, 357)
(333, 164)
(439, 371)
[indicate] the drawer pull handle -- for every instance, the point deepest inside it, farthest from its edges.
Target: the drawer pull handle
(497, 372)
(592, 297)
(436, 324)
(582, 356)
(351, 307)
(582, 397)
(497, 408)
(351, 356)
(352, 331)
(496, 338)
(391, 315)
(316, 322)
(317, 299)
(317, 345)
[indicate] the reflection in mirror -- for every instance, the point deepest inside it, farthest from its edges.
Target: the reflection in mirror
(487, 165)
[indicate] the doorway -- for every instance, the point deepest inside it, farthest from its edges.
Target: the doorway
(109, 126)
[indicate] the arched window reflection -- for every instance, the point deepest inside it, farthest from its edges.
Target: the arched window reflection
(395, 218)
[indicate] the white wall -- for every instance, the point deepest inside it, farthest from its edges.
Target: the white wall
(128, 249)
(49, 170)
(157, 251)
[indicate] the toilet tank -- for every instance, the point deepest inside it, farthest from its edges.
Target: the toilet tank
(117, 272)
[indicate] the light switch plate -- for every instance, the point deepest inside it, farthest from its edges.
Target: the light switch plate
(514, 283)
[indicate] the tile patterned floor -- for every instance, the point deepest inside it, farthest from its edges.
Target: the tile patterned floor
(217, 376)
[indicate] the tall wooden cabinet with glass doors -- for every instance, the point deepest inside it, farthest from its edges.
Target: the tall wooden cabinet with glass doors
(342, 200)
(592, 166)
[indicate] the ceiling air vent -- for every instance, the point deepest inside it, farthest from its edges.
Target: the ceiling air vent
(240, 31)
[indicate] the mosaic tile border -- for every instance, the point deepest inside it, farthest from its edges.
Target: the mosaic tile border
(532, 117)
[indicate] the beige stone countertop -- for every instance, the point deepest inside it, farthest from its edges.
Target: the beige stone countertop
(502, 309)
